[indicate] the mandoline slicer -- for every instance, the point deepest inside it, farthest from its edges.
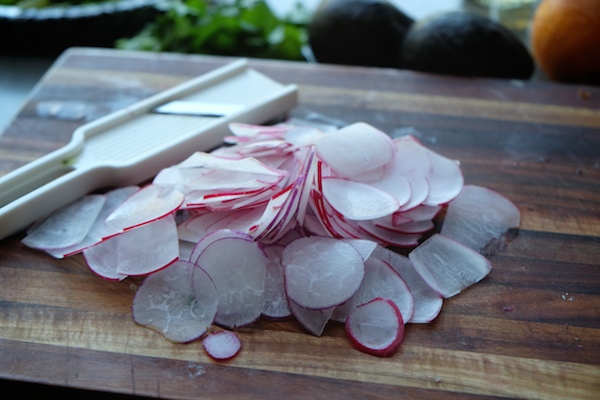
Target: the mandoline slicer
(132, 145)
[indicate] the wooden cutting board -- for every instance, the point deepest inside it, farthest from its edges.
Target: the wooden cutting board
(531, 329)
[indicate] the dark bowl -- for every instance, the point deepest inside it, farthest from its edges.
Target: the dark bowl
(49, 31)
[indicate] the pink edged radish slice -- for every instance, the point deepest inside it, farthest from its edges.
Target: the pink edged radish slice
(148, 204)
(380, 281)
(140, 251)
(321, 272)
(99, 230)
(180, 302)
(212, 237)
(67, 226)
(448, 266)
(479, 218)
(276, 304)
(445, 179)
(420, 213)
(102, 259)
(357, 200)
(237, 266)
(388, 237)
(313, 321)
(427, 302)
(411, 163)
(249, 130)
(222, 345)
(376, 328)
(355, 149)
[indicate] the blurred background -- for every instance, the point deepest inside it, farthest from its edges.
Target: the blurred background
(490, 38)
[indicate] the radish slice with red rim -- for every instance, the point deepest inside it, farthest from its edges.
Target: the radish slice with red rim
(479, 218)
(376, 328)
(427, 302)
(143, 250)
(180, 302)
(448, 266)
(358, 201)
(321, 272)
(99, 230)
(67, 226)
(354, 149)
(222, 345)
(380, 280)
(146, 205)
(237, 266)
(103, 259)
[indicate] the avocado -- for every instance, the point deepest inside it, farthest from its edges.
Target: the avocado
(464, 43)
(357, 32)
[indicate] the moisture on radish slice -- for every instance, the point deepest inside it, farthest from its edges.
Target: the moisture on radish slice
(376, 327)
(180, 302)
(321, 272)
(222, 345)
(448, 266)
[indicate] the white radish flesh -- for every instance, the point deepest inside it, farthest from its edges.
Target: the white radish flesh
(222, 345)
(376, 328)
(314, 321)
(237, 265)
(479, 218)
(180, 302)
(148, 204)
(355, 149)
(427, 302)
(67, 226)
(448, 266)
(276, 304)
(380, 281)
(321, 272)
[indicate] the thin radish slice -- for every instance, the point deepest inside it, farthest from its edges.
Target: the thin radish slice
(380, 281)
(411, 163)
(355, 149)
(148, 204)
(180, 302)
(212, 237)
(67, 226)
(103, 260)
(313, 321)
(364, 247)
(99, 230)
(445, 179)
(479, 218)
(276, 304)
(321, 272)
(249, 130)
(427, 302)
(448, 266)
(222, 345)
(358, 201)
(376, 328)
(145, 249)
(420, 213)
(238, 266)
(388, 237)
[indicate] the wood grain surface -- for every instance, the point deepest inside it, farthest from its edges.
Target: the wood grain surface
(531, 329)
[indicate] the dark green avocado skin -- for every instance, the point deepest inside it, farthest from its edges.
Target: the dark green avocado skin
(463, 43)
(357, 32)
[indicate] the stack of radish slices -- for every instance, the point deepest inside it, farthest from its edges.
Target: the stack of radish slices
(289, 221)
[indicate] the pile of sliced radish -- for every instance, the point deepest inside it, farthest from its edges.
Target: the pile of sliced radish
(289, 221)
